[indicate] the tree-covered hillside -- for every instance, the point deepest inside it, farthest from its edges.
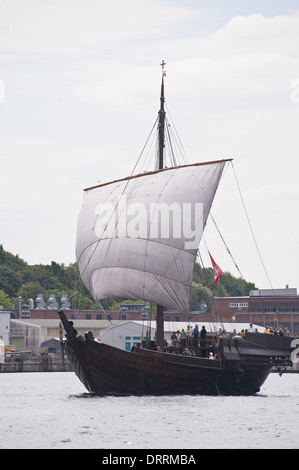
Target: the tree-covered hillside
(204, 287)
(18, 278)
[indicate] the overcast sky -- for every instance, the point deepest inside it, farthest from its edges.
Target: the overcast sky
(79, 93)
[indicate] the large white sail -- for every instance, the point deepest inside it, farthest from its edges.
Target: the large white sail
(138, 237)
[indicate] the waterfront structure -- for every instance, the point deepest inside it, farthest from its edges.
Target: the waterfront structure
(264, 307)
(4, 327)
(127, 334)
(32, 335)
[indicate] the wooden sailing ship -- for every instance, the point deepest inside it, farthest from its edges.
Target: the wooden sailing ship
(127, 247)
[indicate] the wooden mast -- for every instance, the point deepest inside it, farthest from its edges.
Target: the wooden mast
(161, 142)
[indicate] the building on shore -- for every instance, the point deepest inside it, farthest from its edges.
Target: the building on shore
(29, 327)
(266, 307)
(36, 335)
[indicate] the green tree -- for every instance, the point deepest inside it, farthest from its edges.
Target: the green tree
(199, 295)
(4, 299)
(236, 287)
(17, 278)
(10, 279)
(29, 290)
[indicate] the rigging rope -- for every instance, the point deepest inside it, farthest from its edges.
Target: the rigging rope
(179, 144)
(253, 236)
(228, 250)
(144, 146)
(216, 318)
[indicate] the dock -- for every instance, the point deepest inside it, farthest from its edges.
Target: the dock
(44, 363)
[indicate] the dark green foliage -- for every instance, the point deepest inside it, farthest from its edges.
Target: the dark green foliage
(18, 278)
(204, 287)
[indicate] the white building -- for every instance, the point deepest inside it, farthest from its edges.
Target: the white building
(30, 334)
(5, 327)
(126, 334)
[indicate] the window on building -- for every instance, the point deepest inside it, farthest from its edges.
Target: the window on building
(25, 313)
(136, 340)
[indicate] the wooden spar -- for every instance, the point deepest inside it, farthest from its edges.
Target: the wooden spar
(161, 141)
(161, 124)
(147, 173)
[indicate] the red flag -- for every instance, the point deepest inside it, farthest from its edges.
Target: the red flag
(217, 270)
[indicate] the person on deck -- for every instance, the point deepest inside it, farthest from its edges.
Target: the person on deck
(196, 335)
(203, 340)
(186, 352)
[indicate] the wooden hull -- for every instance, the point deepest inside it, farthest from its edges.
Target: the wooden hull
(241, 369)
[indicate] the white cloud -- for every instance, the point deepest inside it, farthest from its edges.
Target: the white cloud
(246, 35)
(250, 56)
(70, 26)
(82, 91)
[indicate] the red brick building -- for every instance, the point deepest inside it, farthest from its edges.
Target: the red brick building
(278, 307)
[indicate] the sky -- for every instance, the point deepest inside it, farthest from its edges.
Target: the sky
(79, 94)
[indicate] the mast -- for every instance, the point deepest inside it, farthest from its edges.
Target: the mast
(161, 142)
(161, 124)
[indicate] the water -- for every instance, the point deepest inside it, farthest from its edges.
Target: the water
(53, 411)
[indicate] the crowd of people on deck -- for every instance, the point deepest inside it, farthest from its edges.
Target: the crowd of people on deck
(192, 338)
(277, 331)
(251, 329)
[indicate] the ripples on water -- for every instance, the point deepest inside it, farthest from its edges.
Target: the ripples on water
(53, 411)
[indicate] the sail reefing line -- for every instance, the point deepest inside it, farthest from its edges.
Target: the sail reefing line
(188, 180)
(136, 177)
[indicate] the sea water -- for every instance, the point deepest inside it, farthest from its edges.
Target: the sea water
(52, 410)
